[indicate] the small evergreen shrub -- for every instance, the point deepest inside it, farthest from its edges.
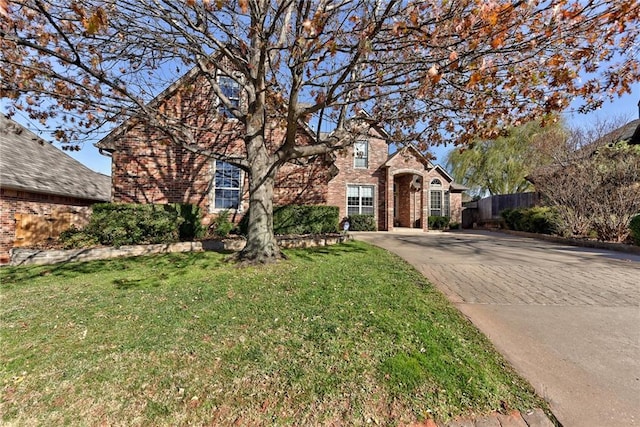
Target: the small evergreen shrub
(191, 227)
(222, 225)
(437, 222)
(634, 227)
(361, 222)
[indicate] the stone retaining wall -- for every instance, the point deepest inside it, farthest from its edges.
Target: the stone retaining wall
(20, 256)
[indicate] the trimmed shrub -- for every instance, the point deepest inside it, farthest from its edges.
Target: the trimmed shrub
(222, 225)
(362, 223)
(300, 219)
(634, 227)
(437, 222)
(73, 238)
(117, 224)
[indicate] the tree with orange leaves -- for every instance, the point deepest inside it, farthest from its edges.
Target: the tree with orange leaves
(427, 71)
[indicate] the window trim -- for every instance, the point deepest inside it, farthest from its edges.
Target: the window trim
(373, 187)
(212, 191)
(445, 200)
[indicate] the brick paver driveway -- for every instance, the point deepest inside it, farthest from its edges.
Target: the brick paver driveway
(567, 318)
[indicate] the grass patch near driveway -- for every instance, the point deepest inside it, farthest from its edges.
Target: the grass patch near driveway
(348, 334)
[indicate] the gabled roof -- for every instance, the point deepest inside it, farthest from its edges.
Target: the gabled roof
(29, 163)
(414, 150)
(108, 142)
(454, 186)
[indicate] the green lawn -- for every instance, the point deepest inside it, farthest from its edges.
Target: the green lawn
(348, 334)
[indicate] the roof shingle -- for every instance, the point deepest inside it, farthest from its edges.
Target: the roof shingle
(29, 163)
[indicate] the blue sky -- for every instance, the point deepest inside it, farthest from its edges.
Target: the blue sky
(626, 107)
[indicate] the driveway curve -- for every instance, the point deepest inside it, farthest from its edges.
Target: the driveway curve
(567, 318)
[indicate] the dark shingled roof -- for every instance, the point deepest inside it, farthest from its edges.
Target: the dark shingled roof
(29, 163)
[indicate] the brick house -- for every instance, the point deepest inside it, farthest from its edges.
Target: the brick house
(43, 191)
(399, 189)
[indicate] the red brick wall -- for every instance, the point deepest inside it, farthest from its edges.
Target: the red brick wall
(20, 202)
(374, 174)
(148, 167)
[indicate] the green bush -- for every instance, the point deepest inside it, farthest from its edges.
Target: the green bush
(362, 223)
(541, 220)
(437, 222)
(222, 225)
(191, 227)
(634, 227)
(73, 238)
(117, 224)
(300, 219)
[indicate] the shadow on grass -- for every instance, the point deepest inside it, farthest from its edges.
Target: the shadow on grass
(166, 263)
(309, 254)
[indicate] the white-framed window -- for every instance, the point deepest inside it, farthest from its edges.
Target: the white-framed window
(361, 154)
(231, 89)
(360, 199)
(227, 186)
(439, 199)
(447, 204)
(436, 203)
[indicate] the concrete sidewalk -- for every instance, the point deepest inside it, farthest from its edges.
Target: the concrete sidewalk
(567, 318)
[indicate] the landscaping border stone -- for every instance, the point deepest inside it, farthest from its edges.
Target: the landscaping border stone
(25, 256)
(585, 243)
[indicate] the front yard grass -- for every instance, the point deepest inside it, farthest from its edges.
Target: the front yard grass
(343, 335)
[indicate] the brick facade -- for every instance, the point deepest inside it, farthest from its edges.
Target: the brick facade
(51, 208)
(148, 167)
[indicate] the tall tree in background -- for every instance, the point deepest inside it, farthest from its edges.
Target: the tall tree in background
(501, 165)
(427, 71)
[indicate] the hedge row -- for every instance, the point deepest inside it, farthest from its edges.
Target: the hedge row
(117, 224)
(300, 219)
(543, 220)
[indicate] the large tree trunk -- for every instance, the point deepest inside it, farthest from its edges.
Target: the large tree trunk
(261, 244)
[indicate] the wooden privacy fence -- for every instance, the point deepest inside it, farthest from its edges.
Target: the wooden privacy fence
(488, 210)
(33, 229)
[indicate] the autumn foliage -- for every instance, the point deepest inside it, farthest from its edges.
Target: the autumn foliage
(427, 71)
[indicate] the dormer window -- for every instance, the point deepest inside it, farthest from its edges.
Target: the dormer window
(231, 89)
(361, 154)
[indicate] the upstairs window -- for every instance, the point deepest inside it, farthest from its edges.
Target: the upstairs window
(231, 89)
(226, 186)
(361, 154)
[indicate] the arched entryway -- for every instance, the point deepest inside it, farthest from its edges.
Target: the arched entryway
(408, 199)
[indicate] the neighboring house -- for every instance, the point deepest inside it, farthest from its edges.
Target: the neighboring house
(400, 189)
(43, 191)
